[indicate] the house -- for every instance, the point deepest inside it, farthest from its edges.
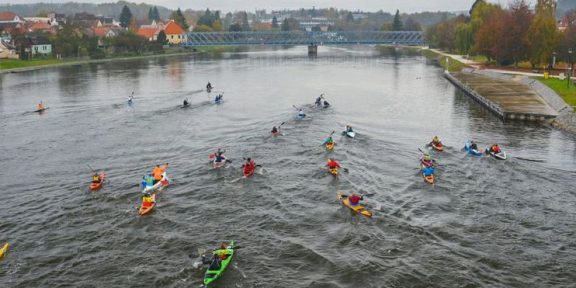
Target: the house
(9, 17)
(149, 33)
(41, 27)
(174, 33)
(7, 51)
(36, 46)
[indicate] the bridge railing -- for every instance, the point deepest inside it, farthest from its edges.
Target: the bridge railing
(304, 38)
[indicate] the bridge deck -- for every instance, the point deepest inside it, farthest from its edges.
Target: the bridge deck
(305, 38)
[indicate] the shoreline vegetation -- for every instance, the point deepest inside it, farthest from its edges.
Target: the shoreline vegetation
(17, 65)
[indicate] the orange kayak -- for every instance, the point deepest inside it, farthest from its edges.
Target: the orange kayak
(146, 209)
(96, 186)
(356, 208)
(427, 178)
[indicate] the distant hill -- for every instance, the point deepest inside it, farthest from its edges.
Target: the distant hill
(565, 6)
(70, 8)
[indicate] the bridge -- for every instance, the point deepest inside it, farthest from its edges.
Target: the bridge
(311, 39)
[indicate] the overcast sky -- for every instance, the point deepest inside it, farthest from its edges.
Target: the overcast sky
(251, 5)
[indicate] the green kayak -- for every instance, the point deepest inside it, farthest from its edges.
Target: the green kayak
(215, 271)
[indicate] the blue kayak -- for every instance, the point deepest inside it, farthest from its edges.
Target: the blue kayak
(473, 152)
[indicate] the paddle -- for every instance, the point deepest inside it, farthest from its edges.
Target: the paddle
(333, 131)
(91, 168)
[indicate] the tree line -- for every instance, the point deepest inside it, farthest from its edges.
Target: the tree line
(508, 35)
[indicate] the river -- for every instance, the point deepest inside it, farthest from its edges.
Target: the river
(485, 223)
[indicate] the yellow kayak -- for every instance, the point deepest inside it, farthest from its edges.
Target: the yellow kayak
(4, 249)
(357, 208)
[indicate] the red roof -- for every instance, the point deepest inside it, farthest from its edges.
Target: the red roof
(148, 32)
(173, 28)
(39, 26)
(7, 16)
(100, 31)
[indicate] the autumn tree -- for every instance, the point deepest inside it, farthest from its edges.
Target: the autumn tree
(568, 39)
(543, 35)
(489, 35)
(515, 41)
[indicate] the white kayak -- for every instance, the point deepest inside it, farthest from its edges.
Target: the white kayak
(499, 156)
(158, 186)
(350, 134)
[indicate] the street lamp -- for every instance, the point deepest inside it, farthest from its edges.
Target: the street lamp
(569, 69)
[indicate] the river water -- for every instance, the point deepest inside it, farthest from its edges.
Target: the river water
(486, 223)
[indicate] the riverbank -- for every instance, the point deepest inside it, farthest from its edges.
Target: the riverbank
(16, 66)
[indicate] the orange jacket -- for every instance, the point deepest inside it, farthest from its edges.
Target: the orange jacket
(158, 171)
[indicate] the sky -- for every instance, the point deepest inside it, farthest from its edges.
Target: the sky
(405, 6)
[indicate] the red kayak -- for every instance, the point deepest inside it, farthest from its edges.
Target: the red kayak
(249, 169)
(95, 186)
(437, 147)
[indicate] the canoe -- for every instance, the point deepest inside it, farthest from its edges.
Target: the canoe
(213, 274)
(248, 171)
(145, 210)
(334, 171)
(471, 151)
(499, 156)
(427, 174)
(330, 146)
(158, 186)
(97, 186)
(357, 208)
(4, 249)
(437, 147)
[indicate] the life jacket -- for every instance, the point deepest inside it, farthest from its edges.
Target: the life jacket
(219, 158)
(496, 149)
(158, 171)
(39, 107)
(149, 180)
(333, 164)
(147, 201)
(354, 199)
(96, 178)
(249, 167)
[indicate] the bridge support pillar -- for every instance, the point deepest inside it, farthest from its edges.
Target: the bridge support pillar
(313, 49)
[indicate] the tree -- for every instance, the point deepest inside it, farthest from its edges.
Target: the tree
(155, 13)
(202, 28)
(412, 25)
(568, 39)
(162, 37)
(397, 23)
(290, 24)
(151, 13)
(125, 17)
(489, 36)
(244, 21)
(518, 21)
(464, 38)
(349, 17)
(236, 27)
(275, 23)
(179, 18)
(543, 35)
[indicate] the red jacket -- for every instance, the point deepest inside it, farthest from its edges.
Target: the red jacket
(333, 164)
(354, 199)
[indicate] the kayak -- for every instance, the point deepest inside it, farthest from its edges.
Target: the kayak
(499, 156)
(145, 210)
(216, 164)
(330, 146)
(428, 174)
(211, 274)
(350, 134)
(40, 110)
(471, 151)
(437, 147)
(300, 116)
(334, 171)
(159, 185)
(356, 208)
(248, 171)
(97, 186)
(4, 249)
(218, 101)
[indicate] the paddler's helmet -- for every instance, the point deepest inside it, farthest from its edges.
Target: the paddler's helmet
(436, 138)
(427, 157)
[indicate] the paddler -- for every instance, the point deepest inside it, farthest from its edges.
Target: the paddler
(495, 149)
(96, 178)
(275, 130)
(40, 106)
(219, 156)
(427, 160)
(354, 199)
(301, 113)
(147, 201)
(435, 141)
(473, 145)
(185, 103)
(158, 171)
(208, 86)
(328, 140)
(249, 164)
(326, 104)
(319, 100)
(217, 257)
(332, 164)
(131, 98)
(348, 129)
